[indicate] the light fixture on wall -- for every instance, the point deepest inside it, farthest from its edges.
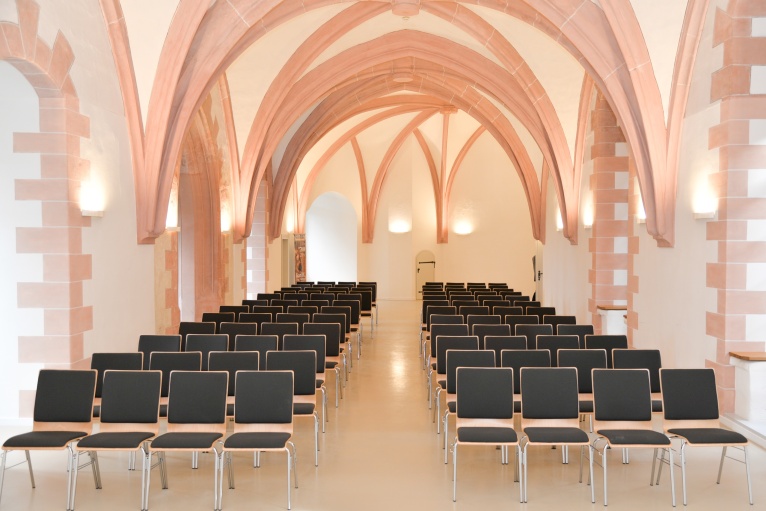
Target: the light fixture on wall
(399, 226)
(400, 218)
(704, 203)
(587, 214)
(463, 227)
(640, 211)
(225, 219)
(559, 221)
(91, 198)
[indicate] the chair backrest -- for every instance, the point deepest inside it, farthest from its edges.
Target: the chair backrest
(102, 362)
(446, 319)
(302, 363)
(250, 303)
(531, 332)
(259, 343)
(131, 397)
(340, 318)
(466, 358)
(218, 318)
(195, 327)
(515, 321)
(269, 296)
(606, 342)
(452, 342)
(258, 318)
(283, 303)
(540, 312)
(290, 317)
(482, 330)
(497, 285)
(689, 395)
(441, 310)
(492, 302)
(197, 397)
(236, 309)
(168, 362)
(356, 309)
(459, 303)
(296, 296)
(205, 343)
(150, 343)
(303, 309)
(270, 309)
(484, 393)
(327, 297)
(315, 303)
(506, 310)
(372, 286)
(333, 309)
(640, 359)
(446, 329)
(263, 397)
(331, 332)
(64, 399)
(554, 343)
(304, 342)
(428, 302)
(579, 330)
(233, 361)
(280, 330)
(555, 321)
(481, 319)
(585, 361)
(521, 301)
(498, 343)
(366, 295)
(622, 396)
(549, 394)
(516, 359)
(235, 329)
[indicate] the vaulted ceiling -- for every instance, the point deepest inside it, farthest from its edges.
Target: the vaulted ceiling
(302, 80)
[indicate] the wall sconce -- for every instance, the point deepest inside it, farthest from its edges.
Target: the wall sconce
(399, 226)
(640, 211)
(704, 203)
(225, 220)
(463, 227)
(400, 217)
(559, 221)
(587, 215)
(91, 199)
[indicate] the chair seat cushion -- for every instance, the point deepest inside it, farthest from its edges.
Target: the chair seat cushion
(634, 437)
(97, 411)
(163, 410)
(230, 409)
(330, 365)
(122, 440)
(261, 440)
(42, 439)
(656, 405)
(319, 383)
(556, 435)
(452, 406)
(185, 441)
(709, 435)
(442, 383)
(517, 407)
(487, 435)
(586, 406)
(303, 408)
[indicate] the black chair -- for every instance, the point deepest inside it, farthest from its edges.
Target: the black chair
(169, 362)
(540, 312)
(250, 303)
(267, 309)
(555, 321)
(284, 303)
(194, 327)
(579, 330)
(102, 362)
(303, 365)
(622, 409)
(151, 343)
(482, 330)
(316, 343)
(346, 311)
(482, 319)
(444, 343)
(584, 361)
(129, 419)
(439, 315)
(259, 343)
(315, 303)
(504, 309)
(606, 342)
(373, 287)
(62, 413)
(236, 309)
(531, 332)
(235, 329)
(303, 309)
(437, 330)
(205, 343)
(269, 296)
(355, 321)
(263, 420)
(456, 359)
(299, 318)
(550, 414)
(513, 321)
(259, 318)
(498, 343)
(484, 398)
(554, 343)
(690, 407)
(334, 359)
(280, 330)
(642, 359)
(477, 310)
(345, 341)
(231, 362)
(218, 318)
(196, 422)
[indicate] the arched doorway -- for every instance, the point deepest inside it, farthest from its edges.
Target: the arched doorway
(331, 239)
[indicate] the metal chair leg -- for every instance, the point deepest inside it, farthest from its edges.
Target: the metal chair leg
(29, 466)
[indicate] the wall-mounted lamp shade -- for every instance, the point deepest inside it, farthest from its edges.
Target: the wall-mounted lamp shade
(399, 226)
(225, 220)
(587, 215)
(463, 227)
(704, 203)
(640, 211)
(91, 199)
(559, 221)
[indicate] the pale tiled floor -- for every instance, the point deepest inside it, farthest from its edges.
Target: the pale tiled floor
(381, 452)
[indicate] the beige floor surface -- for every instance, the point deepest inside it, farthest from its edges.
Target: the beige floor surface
(381, 453)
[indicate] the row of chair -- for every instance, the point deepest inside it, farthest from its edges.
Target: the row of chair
(263, 420)
(484, 409)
